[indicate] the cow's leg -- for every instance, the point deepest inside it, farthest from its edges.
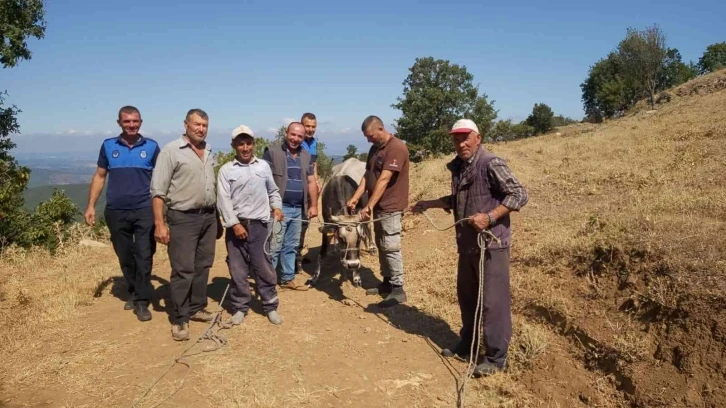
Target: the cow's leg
(321, 255)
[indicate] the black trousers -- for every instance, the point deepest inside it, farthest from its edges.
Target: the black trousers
(245, 255)
(132, 236)
(497, 317)
(192, 239)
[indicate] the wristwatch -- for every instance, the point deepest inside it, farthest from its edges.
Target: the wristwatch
(492, 220)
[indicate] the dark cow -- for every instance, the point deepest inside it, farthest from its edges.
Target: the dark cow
(349, 232)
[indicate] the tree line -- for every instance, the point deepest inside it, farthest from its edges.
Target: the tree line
(640, 67)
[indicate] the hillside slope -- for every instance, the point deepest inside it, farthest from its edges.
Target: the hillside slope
(618, 280)
(622, 248)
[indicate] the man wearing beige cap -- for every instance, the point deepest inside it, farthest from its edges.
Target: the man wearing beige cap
(484, 191)
(246, 194)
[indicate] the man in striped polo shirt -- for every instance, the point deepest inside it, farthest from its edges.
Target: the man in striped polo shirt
(128, 160)
(294, 176)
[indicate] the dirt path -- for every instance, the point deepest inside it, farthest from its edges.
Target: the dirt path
(328, 352)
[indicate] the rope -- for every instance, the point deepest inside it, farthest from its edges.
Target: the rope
(209, 334)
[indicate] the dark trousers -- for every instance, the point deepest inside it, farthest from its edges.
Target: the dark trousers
(497, 318)
(192, 238)
(251, 254)
(132, 236)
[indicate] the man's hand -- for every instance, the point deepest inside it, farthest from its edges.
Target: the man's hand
(420, 207)
(365, 214)
(277, 214)
(161, 234)
(479, 221)
(352, 203)
(312, 212)
(239, 231)
(90, 216)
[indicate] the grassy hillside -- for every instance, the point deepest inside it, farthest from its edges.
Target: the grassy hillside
(621, 252)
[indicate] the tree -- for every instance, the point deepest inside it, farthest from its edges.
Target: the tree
(642, 55)
(352, 151)
(713, 59)
(541, 118)
(560, 120)
(325, 163)
(19, 20)
(674, 71)
(436, 93)
(604, 90)
(281, 133)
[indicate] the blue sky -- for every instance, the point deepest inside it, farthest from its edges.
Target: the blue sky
(265, 63)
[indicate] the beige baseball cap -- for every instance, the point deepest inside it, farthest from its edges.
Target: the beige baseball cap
(242, 130)
(464, 126)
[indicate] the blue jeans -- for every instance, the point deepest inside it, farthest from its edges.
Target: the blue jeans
(285, 239)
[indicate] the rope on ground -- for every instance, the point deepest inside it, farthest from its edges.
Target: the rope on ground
(209, 334)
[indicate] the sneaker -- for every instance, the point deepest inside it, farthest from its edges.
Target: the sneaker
(129, 304)
(238, 318)
(180, 332)
(141, 310)
(486, 369)
(461, 351)
(383, 288)
(291, 285)
(397, 295)
(202, 316)
(274, 317)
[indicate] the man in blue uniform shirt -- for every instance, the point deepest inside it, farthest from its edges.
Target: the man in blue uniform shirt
(128, 160)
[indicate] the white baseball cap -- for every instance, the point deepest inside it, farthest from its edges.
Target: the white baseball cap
(242, 130)
(464, 126)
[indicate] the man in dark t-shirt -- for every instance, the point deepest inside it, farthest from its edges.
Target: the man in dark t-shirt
(128, 160)
(386, 181)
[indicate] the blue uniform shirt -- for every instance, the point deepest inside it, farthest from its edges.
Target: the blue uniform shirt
(311, 145)
(129, 172)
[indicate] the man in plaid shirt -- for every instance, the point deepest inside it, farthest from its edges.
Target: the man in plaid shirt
(484, 191)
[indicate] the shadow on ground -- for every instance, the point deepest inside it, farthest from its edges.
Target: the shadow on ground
(403, 316)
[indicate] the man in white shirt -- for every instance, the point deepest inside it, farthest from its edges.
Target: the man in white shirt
(246, 194)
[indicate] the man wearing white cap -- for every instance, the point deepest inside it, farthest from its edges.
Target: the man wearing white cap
(246, 195)
(484, 191)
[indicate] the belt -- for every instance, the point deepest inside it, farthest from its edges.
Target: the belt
(246, 223)
(203, 210)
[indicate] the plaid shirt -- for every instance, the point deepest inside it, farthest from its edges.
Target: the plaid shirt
(515, 195)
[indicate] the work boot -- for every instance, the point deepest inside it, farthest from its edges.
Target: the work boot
(274, 317)
(129, 304)
(461, 350)
(238, 318)
(202, 316)
(180, 332)
(383, 288)
(292, 285)
(486, 369)
(397, 295)
(141, 310)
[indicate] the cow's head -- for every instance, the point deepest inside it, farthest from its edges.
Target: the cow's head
(349, 234)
